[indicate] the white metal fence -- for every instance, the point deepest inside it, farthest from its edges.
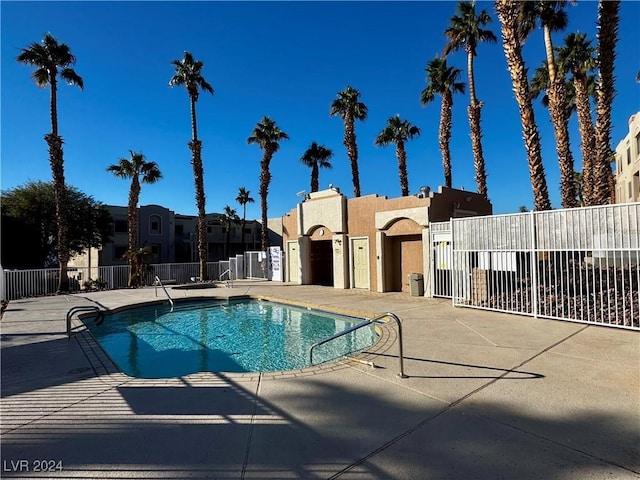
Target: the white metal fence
(441, 259)
(255, 264)
(578, 264)
(37, 282)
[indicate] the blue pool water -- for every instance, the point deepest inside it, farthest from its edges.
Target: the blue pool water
(242, 336)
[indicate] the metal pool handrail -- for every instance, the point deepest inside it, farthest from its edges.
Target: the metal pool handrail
(364, 324)
(159, 282)
(230, 281)
(83, 308)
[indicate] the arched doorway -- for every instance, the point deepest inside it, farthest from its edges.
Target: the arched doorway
(321, 257)
(403, 254)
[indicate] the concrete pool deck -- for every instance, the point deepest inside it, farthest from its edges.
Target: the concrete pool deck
(489, 396)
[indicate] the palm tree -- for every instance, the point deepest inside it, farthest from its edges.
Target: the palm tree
(316, 157)
(138, 170)
(608, 18)
(579, 188)
(137, 259)
(349, 108)
(553, 18)
(466, 33)
(577, 57)
(188, 73)
(228, 218)
(443, 80)
(507, 11)
(243, 198)
(267, 135)
(50, 58)
(399, 132)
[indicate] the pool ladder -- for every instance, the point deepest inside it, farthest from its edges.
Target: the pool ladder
(365, 323)
(229, 282)
(157, 282)
(86, 309)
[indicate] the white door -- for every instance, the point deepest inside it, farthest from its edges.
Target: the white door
(360, 249)
(293, 260)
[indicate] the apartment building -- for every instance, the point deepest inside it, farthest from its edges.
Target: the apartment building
(172, 237)
(627, 173)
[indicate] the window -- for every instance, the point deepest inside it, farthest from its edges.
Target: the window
(638, 145)
(155, 225)
(629, 155)
(179, 229)
(118, 252)
(155, 250)
(120, 226)
(629, 190)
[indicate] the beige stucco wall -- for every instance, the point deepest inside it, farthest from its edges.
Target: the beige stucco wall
(327, 210)
(397, 230)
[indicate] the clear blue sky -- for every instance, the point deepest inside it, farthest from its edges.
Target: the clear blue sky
(285, 60)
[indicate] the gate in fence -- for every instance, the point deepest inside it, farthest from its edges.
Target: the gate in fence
(441, 259)
(255, 265)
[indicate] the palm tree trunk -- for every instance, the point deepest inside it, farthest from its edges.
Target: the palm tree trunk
(471, 76)
(314, 177)
(244, 224)
(198, 176)
(195, 146)
(476, 145)
(56, 159)
(560, 120)
(587, 134)
(194, 123)
(607, 39)
(444, 136)
(132, 218)
(59, 191)
(53, 108)
(476, 130)
(507, 11)
(265, 179)
(352, 151)
(401, 154)
(548, 48)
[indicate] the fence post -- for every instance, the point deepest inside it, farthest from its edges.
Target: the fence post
(3, 295)
(534, 267)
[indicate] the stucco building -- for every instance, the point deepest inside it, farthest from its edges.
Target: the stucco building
(172, 237)
(370, 242)
(627, 174)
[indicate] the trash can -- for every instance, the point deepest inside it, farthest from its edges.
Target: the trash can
(416, 285)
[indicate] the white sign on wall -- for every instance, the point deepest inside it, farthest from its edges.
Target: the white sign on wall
(275, 264)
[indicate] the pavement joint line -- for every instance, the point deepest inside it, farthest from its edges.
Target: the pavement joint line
(555, 442)
(69, 405)
(245, 462)
(420, 424)
(474, 331)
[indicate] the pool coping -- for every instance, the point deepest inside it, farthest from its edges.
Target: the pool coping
(108, 371)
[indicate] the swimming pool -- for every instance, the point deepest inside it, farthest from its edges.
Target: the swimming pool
(224, 336)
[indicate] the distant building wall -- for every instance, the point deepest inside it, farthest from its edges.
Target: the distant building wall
(627, 174)
(173, 237)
